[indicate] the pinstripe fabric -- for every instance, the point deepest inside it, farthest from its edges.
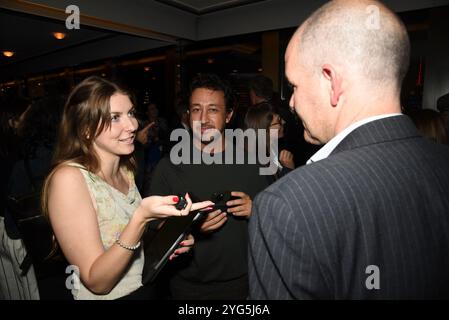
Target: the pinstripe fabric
(381, 198)
(13, 286)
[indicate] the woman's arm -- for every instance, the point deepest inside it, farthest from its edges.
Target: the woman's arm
(75, 224)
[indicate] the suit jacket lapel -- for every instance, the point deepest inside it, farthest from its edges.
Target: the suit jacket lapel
(378, 131)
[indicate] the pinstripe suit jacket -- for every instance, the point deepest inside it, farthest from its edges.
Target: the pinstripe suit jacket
(380, 199)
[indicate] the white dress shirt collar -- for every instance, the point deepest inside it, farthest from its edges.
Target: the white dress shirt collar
(327, 149)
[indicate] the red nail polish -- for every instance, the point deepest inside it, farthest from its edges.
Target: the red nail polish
(182, 243)
(175, 199)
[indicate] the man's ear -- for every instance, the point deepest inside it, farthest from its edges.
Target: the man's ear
(335, 80)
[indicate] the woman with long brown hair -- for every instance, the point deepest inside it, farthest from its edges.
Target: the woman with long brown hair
(96, 212)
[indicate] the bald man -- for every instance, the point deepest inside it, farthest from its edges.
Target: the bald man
(368, 216)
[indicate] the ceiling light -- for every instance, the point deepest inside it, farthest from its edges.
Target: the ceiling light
(59, 35)
(8, 54)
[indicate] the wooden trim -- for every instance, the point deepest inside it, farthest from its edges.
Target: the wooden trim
(59, 14)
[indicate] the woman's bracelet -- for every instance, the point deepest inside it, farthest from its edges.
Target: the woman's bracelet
(124, 246)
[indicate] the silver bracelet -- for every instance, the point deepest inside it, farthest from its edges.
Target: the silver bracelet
(124, 246)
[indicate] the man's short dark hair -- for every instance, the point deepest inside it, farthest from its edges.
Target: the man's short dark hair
(262, 87)
(215, 83)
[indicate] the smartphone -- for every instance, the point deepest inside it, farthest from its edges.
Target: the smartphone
(220, 198)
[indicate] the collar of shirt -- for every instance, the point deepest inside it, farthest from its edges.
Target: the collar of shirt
(327, 149)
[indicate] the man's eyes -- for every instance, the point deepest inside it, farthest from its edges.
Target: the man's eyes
(211, 109)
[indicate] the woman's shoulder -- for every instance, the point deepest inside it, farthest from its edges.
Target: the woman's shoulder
(68, 172)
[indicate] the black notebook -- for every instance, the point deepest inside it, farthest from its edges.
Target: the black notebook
(160, 245)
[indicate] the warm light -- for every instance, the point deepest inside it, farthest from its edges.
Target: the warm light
(147, 69)
(210, 61)
(260, 69)
(59, 35)
(8, 54)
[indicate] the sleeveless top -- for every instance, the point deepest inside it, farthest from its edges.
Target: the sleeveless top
(114, 210)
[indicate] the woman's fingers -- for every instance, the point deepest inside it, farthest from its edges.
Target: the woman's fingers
(188, 242)
(184, 246)
(201, 205)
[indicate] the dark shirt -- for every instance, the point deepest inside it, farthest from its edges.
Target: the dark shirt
(218, 258)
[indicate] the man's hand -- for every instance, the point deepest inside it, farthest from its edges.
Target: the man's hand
(215, 220)
(240, 207)
(286, 159)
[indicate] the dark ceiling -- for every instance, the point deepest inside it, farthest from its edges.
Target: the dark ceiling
(206, 6)
(31, 37)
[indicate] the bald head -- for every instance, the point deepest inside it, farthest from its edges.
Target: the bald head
(363, 36)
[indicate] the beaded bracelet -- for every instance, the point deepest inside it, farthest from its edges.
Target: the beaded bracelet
(124, 246)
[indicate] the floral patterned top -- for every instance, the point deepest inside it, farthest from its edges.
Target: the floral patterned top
(114, 210)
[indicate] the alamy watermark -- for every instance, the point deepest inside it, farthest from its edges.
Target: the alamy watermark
(242, 147)
(372, 22)
(373, 280)
(72, 282)
(73, 20)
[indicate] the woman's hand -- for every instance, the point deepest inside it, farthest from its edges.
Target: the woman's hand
(184, 247)
(286, 159)
(240, 207)
(157, 207)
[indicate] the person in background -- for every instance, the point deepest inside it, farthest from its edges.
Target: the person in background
(13, 284)
(263, 117)
(157, 143)
(430, 124)
(37, 130)
(261, 90)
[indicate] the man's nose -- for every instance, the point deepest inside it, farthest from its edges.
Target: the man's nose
(203, 117)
